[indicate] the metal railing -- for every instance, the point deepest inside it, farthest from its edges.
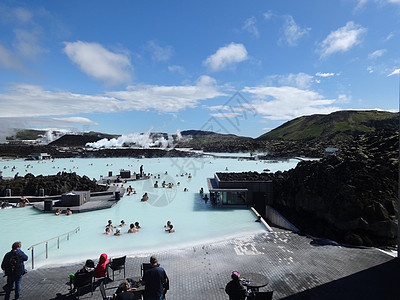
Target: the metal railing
(47, 243)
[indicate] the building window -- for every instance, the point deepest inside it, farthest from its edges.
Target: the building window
(234, 198)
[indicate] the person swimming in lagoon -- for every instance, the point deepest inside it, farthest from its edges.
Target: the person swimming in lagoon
(168, 223)
(68, 212)
(110, 225)
(132, 228)
(118, 232)
(145, 197)
(107, 231)
(170, 229)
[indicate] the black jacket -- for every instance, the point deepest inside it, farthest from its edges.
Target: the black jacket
(21, 267)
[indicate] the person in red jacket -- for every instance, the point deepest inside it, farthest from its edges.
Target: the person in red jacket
(101, 268)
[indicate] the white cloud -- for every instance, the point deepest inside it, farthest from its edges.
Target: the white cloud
(283, 103)
(341, 40)
(218, 107)
(376, 54)
(226, 57)
(75, 120)
(100, 63)
(342, 98)
(300, 80)
(27, 43)
(292, 33)
(250, 26)
(370, 69)
(22, 15)
(167, 99)
(395, 72)
(24, 100)
(8, 60)
(268, 15)
(389, 36)
(177, 69)
(159, 53)
(225, 115)
(360, 4)
(320, 74)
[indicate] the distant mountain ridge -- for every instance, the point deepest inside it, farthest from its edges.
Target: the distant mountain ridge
(335, 126)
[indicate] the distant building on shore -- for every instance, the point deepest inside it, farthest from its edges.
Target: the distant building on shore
(330, 151)
(38, 156)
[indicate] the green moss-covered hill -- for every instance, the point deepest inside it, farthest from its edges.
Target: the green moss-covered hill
(338, 126)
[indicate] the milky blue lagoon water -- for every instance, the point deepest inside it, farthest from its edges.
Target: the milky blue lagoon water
(195, 221)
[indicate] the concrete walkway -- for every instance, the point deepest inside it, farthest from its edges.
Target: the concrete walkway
(296, 268)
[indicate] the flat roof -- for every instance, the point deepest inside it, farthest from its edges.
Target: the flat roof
(213, 187)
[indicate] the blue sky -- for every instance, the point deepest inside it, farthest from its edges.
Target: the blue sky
(240, 67)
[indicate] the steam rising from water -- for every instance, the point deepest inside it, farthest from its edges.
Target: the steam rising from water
(139, 140)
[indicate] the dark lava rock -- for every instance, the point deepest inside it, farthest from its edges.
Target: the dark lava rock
(52, 185)
(349, 197)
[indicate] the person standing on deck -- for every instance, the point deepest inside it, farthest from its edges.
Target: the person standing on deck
(155, 281)
(14, 268)
(141, 170)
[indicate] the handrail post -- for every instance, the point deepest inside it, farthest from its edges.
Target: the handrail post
(33, 259)
(47, 244)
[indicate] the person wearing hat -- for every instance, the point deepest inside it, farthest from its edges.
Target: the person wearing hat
(234, 288)
(155, 281)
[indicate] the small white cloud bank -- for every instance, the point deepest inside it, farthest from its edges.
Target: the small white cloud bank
(341, 40)
(250, 26)
(286, 102)
(226, 57)
(376, 54)
(325, 75)
(292, 32)
(99, 63)
(159, 53)
(395, 72)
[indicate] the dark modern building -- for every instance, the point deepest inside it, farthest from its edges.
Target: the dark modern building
(238, 189)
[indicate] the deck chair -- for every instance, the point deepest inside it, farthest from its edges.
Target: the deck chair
(106, 279)
(143, 268)
(117, 264)
(103, 292)
(239, 295)
(263, 295)
(83, 280)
